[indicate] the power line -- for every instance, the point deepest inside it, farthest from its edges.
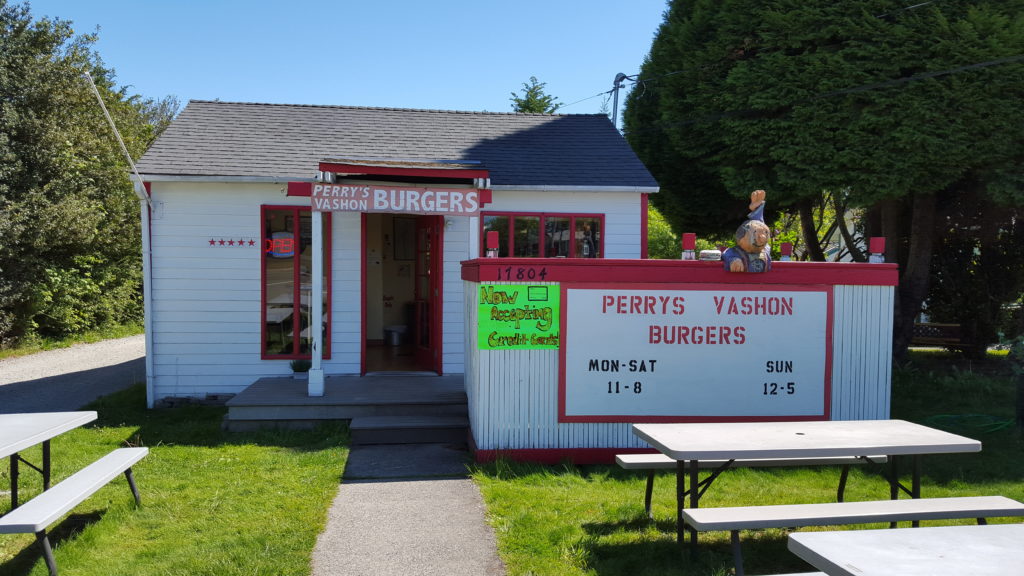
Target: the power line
(922, 76)
(905, 8)
(585, 99)
(636, 80)
(845, 91)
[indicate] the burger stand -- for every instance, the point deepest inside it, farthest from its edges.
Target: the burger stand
(566, 355)
(563, 355)
(558, 355)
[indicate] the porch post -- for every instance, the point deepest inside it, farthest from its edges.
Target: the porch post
(316, 302)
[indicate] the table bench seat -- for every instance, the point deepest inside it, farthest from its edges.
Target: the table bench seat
(659, 461)
(36, 515)
(736, 518)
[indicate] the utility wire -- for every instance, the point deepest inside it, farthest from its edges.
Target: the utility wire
(636, 80)
(845, 91)
(905, 8)
(922, 76)
(585, 99)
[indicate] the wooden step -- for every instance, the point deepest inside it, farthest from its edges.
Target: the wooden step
(409, 430)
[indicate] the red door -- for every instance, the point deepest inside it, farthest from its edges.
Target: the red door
(427, 328)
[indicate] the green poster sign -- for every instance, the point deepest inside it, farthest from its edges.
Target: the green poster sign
(518, 317)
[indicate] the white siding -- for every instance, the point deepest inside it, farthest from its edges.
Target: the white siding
(457, 248)
(346, 293)
(513, 394)
(206, 299)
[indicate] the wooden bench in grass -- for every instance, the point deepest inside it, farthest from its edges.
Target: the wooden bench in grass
(654, 462)
(36, 515)
(736, 518)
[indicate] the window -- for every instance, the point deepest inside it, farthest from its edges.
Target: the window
(545, 235)
(287, 273)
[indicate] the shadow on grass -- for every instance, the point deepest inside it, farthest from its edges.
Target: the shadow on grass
(634, 524)
(196, 425)
(763, 553)
(23, 562)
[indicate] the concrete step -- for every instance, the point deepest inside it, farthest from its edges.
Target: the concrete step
(409, 430)
(343, 411)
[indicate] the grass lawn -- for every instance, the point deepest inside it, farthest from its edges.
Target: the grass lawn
(213, 503)
(568, 520)
(219, 504)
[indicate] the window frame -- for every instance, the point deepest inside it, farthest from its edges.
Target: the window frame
(295, 212)
(543, 216)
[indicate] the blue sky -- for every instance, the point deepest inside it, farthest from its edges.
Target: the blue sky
(440, 54)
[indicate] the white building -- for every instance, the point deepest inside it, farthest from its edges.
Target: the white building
(230, 237)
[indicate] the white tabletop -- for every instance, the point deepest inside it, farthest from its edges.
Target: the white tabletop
(727, 440)
(935, 551)
(20, 431)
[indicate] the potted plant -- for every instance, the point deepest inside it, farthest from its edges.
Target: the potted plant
(300, 368)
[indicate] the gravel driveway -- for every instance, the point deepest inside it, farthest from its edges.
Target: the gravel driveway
(69, 378)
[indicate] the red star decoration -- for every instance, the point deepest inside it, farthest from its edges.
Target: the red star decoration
(241, 242)
(212, 242)
(231, 242)
(252, 242)
(221, 242)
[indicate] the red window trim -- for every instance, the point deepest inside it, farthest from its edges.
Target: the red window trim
(296, 211)
(572, 216)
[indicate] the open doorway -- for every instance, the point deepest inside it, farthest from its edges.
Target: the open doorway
(402, 268)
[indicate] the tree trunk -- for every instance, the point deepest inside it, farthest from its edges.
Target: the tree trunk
(891, 221)
(813, 246)
(915, 278)
(1020, 403)
(851, 244)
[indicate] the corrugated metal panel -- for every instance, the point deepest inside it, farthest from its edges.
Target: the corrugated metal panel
(513, 394)
(862, 352)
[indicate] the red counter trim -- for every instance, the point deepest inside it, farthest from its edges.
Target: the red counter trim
(580, 456)
(675, 272)
(643, 226)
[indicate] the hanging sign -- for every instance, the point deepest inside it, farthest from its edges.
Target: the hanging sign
(518, 317)
(403, 200)
(711, 352)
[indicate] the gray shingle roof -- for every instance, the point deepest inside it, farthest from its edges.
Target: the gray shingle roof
(288, 141)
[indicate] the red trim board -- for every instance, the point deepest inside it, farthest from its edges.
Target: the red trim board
(676, 272)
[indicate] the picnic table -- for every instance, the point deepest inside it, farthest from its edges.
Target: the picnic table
(21, 431)
(688, 444)
(934, 551)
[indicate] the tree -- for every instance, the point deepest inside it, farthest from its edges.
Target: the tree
(69, 219)
(534, 100)
(902, 109)
(662, 243)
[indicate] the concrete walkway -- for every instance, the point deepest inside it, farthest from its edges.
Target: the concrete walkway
(407, 510)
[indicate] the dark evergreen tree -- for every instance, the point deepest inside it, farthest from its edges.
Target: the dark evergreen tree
(900, 108)
(534, 100)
